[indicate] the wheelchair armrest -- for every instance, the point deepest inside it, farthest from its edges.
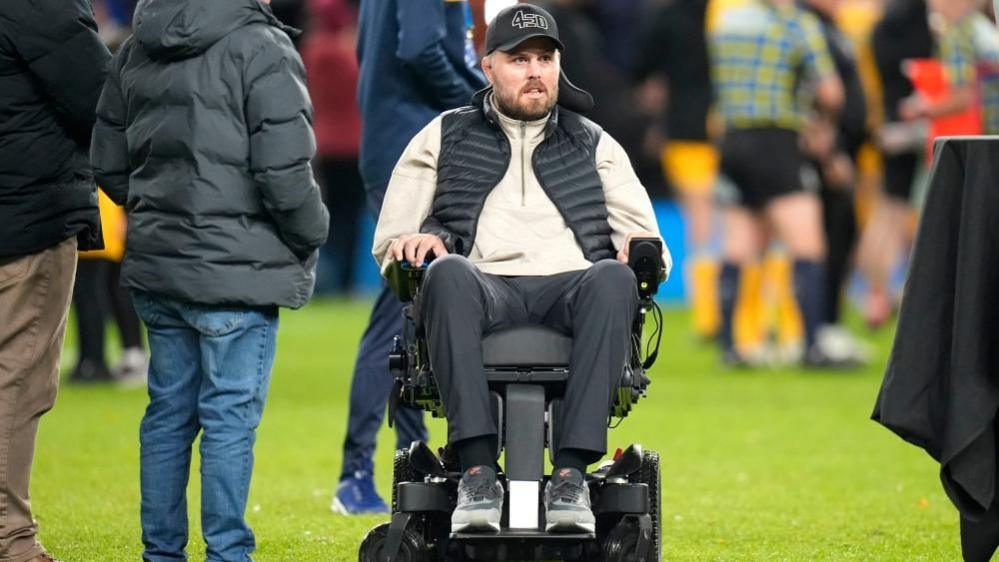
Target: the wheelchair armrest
(645, 258)
(404, 279)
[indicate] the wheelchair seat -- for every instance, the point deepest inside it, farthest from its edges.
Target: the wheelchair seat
(526, 346)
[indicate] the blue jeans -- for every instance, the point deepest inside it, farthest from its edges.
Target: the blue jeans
(209, 371)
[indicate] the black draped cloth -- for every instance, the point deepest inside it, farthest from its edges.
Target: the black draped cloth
(941, 386)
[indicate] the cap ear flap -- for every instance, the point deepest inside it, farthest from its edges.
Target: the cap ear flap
(573, 97)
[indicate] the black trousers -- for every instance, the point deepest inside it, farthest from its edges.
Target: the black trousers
(840, 225)
(343, 190)
(97, 293)
(596, 306)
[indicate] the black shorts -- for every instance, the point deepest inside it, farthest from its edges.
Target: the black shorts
(762, 165)
(900, 175)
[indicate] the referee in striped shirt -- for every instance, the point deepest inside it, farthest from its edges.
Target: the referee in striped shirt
(773, 75)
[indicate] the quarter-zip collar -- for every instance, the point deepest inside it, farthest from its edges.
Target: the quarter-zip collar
(517, 129)
(524, 136)
(484, 98)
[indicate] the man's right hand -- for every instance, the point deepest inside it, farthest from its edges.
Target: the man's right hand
(413, 248)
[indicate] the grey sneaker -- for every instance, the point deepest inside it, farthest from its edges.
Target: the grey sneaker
(567, 503)
(480, 501)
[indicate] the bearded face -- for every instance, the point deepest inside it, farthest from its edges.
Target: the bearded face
(525, 79)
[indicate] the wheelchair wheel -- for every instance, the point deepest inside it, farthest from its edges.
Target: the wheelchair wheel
(413, 549)
(621, 544)
(649, 475)
(402, 472)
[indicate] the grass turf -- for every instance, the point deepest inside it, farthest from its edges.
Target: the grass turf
(759, 465)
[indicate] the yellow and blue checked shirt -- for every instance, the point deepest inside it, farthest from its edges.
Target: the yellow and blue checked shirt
(969, 52)
(761, 56)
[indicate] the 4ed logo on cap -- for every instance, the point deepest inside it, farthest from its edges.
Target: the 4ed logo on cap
(523, 21)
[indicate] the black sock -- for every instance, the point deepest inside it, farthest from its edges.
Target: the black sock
(728, 292)
(572, 458)
(477, 451)
(809, 290)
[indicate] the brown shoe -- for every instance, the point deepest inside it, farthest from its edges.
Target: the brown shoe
(44, 557)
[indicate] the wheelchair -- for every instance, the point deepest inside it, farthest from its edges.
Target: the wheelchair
(526, 368)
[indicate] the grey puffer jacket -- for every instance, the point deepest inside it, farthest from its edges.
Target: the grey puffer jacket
(204, 132)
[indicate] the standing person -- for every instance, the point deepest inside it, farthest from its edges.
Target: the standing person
(328, 54)
(204, 133)
(838, 150)
(968, 44)
(52, 65)
(762, 53)
(903, 33)
(97, 293)
(675, 48)
(417, 60)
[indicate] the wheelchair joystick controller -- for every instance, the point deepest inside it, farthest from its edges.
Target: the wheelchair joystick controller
(645, 259)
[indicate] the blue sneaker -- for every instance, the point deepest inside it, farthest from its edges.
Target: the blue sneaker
(356, 495)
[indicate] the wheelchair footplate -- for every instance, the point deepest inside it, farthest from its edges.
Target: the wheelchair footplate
(523, 544)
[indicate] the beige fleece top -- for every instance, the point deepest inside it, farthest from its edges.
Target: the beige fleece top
(520, 231)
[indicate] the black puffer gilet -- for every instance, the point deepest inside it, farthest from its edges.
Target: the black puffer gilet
(475, 155)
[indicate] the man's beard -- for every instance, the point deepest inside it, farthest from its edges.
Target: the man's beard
(509, 104)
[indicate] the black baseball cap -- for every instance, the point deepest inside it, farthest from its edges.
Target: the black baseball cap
(518, 23)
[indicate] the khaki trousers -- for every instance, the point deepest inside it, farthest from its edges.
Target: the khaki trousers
(34, 301)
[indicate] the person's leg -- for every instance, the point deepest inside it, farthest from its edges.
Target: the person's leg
(370, 386)
(89, 300)
(168, 428)
(887, 233)
(123, 309)
(796, 220)
(369, 390)
(34, 303)
(458, 304)
(692, 167)
(742, 246)
(134, 363)
(597, 307)
(840, 225)
(237, 355)
(880, 246)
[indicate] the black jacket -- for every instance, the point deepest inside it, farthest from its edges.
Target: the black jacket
(52, 66)
(941, 387)
(205, 133)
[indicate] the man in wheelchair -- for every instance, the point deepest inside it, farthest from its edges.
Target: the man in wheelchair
(529, 209)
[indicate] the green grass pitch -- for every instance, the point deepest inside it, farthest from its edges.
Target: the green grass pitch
(762, 465)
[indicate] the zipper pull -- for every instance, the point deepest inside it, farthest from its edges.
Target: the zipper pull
(523, 164)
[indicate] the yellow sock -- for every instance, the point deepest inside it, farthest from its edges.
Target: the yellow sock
(749, 327)
(787, 318)
(705, 313)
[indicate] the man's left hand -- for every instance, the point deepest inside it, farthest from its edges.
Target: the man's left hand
(622, 256)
